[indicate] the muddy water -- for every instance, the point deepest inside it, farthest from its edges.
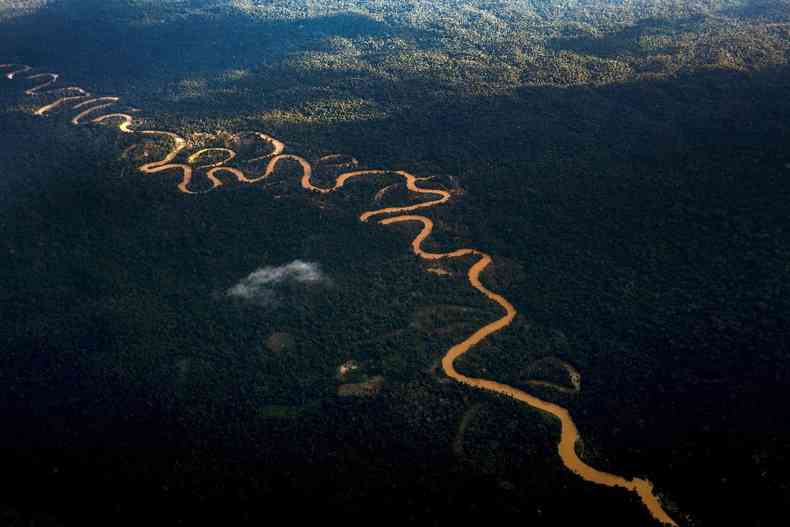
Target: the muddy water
(569, 434)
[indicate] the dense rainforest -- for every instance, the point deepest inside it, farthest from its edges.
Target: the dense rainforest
(255, 350)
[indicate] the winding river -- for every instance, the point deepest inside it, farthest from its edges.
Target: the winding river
(569, 434)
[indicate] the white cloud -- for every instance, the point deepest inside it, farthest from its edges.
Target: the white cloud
(260, 286)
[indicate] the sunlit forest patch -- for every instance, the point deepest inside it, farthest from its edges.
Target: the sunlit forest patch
(327, 111)
(14, 8)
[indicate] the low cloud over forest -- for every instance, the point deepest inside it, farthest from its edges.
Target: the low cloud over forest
(266, 285)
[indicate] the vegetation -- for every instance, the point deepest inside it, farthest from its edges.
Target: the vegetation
(626, 164)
